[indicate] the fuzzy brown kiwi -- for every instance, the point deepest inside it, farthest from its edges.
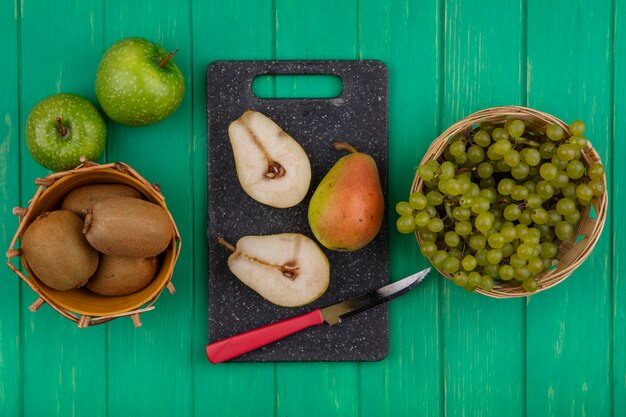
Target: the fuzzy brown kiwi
(122, 226)
(80, 199)
(117, 275)
(57, 252)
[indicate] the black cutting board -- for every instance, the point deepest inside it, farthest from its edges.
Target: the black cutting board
(359, 116)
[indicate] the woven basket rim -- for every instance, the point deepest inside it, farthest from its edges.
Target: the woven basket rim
(571, 253)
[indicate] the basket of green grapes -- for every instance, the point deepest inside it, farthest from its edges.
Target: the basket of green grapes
(507, 202)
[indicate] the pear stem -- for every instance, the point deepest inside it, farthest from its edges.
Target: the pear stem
(64, 131)
(344, 146)
(167, 58)
(224, 243)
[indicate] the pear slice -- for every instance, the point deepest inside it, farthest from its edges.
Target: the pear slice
(286, 269)
(271, 166)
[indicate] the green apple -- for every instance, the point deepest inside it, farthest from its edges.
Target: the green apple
(62, 128)
(138, 83)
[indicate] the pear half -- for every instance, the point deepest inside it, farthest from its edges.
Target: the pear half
(286, 269)
(271, 166)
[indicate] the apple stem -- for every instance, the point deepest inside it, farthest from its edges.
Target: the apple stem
(224, 243)
(64, 131)
(167, 58)
(344, 146)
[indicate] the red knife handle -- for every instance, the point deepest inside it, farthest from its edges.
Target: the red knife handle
(239, 344)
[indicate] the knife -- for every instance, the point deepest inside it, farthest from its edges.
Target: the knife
(239, 344)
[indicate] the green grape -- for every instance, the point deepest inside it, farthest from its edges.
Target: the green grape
(404, 209)
(405, 224)
(512, 159)
(540, 216)
(438, 258)
(577, 127)
(548, 171)
(565, 206)
(426, 172)
(505, 186)
(507, 250)
(561, 180)
(484, 221)
(476, 154)
(508, 233)
(435, 225)
(555, 132)
(502, 147)
(452, 239)
(494, 256)
(492, 154)
(417, 201)
(442, 186)
(477, 242)
(481, 257)
(549, 250)
(482, 138)
(466, 201)
(558, 162)
(512, 212)
(564, 230)
(434, 165)
(530, 284)
(533, 201)
(535, 265)
(569, 190)
(434, 198)
(547, 235)
(428, 248)
(525, 251)
(573, 218)
(486, 283)
(516, 128)
(484, 170)
(458, 137)
(521, 171)
(597, 187)
(480, 205)
(469, 263)
(461, 213)
(519, 193)
(457, 148)
(453, 187)
(487, 183)
(521, 230)
(584, 192)
(474, 190)
(522, 273)
(531, 186)
(473, 279)
(447, 155)
(553, 218)
(422, 218)
(566, 152)
(532, 157)
(545, 190)
(455, 253)
(460, 278)
(516, 261)
(507, 272)
(489, 193)
(463, 228)
(491, 269)
(431, 210)
(461, 159)
(427, 235)
(499, 134)
(578, 142)
(575, 169)
(447, 170)
(496, 241)
(596, 172)
(451, 265)
(501, 166)
(547, 150)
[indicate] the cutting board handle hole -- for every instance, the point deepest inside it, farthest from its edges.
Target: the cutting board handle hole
(297, 86)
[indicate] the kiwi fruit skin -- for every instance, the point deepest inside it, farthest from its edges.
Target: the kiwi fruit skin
(128, 227)
(57, 252)
(80, 199)
(118, 275)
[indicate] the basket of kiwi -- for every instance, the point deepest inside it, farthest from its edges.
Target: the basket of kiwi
(507, 202)
(97, 243)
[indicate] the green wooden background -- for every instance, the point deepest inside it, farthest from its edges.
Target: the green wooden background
(559, 353)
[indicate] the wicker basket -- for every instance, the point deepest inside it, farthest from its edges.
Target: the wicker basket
(571, 253)
(79, 305)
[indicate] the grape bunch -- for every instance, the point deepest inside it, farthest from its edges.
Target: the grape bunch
(498, 203)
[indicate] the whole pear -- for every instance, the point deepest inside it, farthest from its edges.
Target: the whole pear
(346, 210)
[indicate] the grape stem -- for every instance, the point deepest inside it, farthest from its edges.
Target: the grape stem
(527, 142)
(464, 170)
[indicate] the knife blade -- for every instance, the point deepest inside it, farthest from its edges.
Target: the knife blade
(237, 345)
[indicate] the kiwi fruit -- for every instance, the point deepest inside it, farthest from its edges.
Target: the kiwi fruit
(57, 252)
(80, 199)
(128, 227)
(118, 275)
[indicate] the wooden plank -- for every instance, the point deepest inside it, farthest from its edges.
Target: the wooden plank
(10, 285)
(238, 389)
(616, 223)
(63, 367)
(484, 67)
(569, 336)
(150, 367)
(307, 31)
(407, 36)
